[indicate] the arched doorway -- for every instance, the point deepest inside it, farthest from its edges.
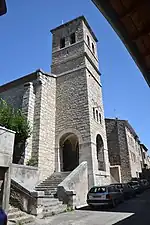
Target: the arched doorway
(100, 152)
(69, 152)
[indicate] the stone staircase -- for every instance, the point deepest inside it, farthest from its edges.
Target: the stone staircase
(52, 206)
(16, 216)
(49, 200)
(49, 186)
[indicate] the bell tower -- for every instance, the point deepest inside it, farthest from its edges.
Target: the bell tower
(79, 105)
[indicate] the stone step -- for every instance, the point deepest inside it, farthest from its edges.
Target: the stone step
(15, 214)
(46, 187)
(54, 211)
(12, 210)
(23, 220)
(49, 182)
(48, 196)
(51, 204)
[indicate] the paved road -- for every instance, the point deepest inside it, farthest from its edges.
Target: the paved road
(135, 211)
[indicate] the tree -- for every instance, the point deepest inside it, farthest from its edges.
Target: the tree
(14, 119)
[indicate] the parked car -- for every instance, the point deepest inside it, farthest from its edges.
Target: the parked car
(136, 186)
(144, 184)
(127, 189)
(104, 195)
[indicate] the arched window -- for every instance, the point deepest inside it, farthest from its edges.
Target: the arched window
(93, 112)
(62, 42)
(88, 40)
(97, 115)
(100, 152)
(72, 38)
(93, 49)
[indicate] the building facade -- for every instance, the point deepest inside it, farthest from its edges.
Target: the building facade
(65, 107)
(124, 150)
(145, 157)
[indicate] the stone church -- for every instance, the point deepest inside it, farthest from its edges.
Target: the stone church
(65, 107)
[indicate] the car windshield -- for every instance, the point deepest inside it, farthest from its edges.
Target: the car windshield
(118, 186)
(98, 190)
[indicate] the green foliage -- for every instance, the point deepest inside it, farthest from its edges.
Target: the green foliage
(69, 209)
(13, 119)
(32, 162)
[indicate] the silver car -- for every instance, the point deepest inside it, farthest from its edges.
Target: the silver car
(104, 195)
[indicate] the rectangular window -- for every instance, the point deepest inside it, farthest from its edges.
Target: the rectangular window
(98, 190)
(72, 38)
(97, 115)
(62, 42)
(93, 49)
(94, 113)
(100, 118)
(88, 40)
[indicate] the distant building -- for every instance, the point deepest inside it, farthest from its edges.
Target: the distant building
(145, 157)
(124, 150)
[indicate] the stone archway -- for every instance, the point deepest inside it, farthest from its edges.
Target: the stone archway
(100, 152)
(69, 152)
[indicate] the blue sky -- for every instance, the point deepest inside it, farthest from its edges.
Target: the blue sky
(26, 46)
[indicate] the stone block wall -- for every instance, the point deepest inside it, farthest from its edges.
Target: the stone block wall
(124, 152)
(118, 147)
(6, 153)
(28, 104)
(45, 118)
(97, 127)
(27, 176)
(13, 95)
(135, 156)
(78, 90)
(35, 94)
(95, 102)
(113, 142)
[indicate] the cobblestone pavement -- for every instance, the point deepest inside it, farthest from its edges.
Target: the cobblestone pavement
(135, 211)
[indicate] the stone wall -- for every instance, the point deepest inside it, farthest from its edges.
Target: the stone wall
(118, 147)
(77, 90)
(6, 153)
(135, 156)
(35, 94)
(73, 190)
(97, 127)
(27, 176)
(124, 152)
(28, 105)
(95, 102)
(6, 146)
(112, 140)
(44, 125)
(13, 96)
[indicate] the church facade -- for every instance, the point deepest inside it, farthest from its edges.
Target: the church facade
(65, 107)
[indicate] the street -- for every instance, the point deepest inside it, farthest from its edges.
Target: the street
(134, 211)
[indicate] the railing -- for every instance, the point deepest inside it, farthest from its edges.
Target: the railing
(22, 198)
(73, 189)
